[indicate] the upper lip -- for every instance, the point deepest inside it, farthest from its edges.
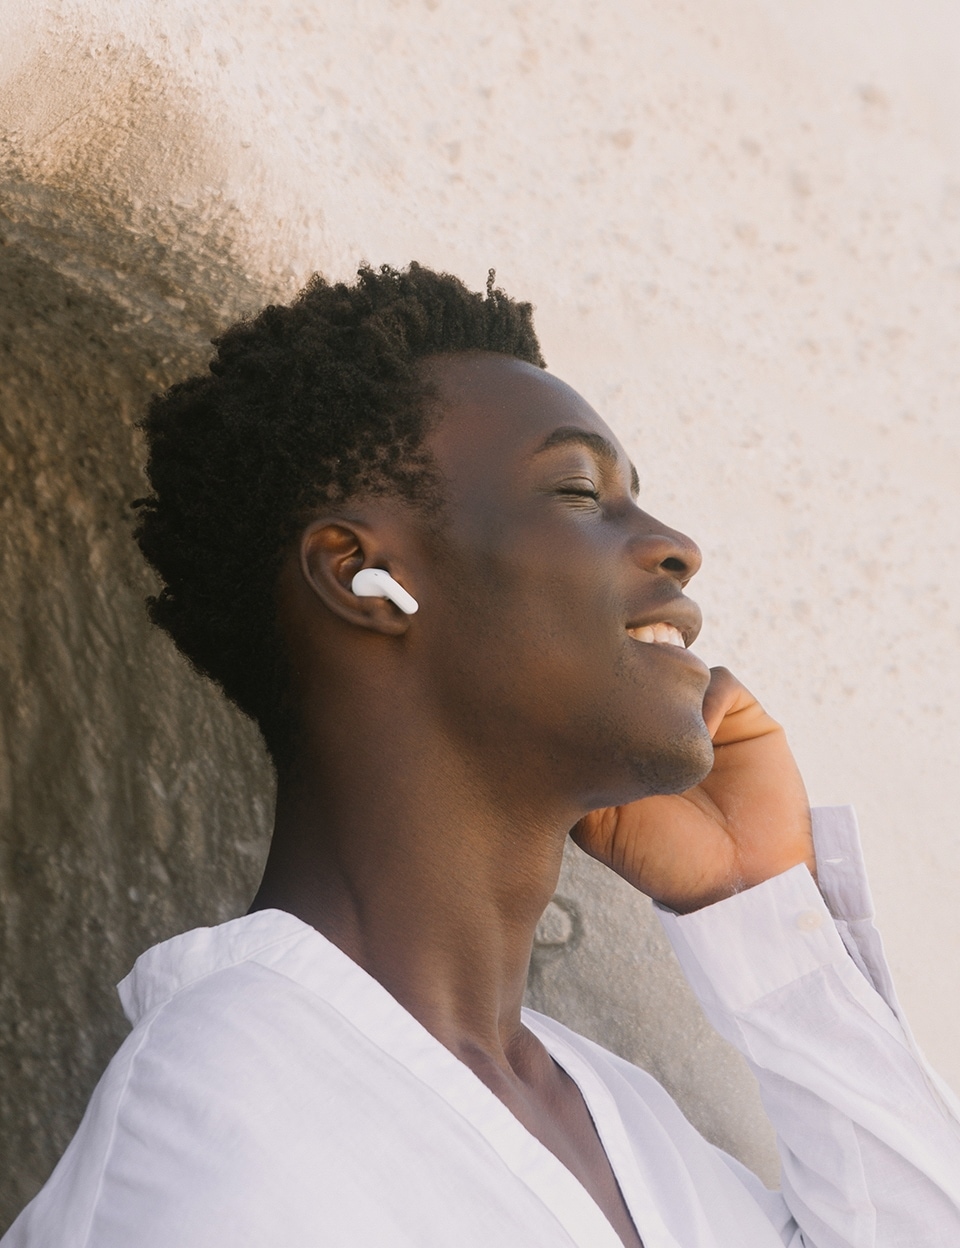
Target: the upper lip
(683, 613)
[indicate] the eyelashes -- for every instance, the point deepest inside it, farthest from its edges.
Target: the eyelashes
(592, 496)
(579, 487)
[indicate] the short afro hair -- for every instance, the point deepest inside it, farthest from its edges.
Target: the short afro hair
(303, 406)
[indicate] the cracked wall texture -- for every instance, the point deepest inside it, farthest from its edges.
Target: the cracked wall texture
(740, 223)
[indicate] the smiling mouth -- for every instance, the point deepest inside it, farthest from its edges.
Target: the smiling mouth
(658, 634)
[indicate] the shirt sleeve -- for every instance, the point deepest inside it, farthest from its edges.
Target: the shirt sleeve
(795, 977)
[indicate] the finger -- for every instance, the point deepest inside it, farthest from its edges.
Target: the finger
(723, 693)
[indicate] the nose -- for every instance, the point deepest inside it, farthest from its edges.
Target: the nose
(660, 549)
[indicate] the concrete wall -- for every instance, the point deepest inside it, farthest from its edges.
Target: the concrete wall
(740, 222)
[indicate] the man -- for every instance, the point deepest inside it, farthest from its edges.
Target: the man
(348, 1064)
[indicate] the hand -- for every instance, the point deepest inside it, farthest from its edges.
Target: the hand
(746, 822)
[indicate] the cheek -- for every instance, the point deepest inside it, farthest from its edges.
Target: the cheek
(540, 628)
(519, 664)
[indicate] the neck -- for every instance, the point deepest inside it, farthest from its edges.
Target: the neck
(394, 849)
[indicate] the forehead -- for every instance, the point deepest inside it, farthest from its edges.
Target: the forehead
(497, 411)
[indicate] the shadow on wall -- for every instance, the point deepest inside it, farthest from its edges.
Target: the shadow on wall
(134, 803)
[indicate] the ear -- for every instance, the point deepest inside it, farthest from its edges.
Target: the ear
(332, 552)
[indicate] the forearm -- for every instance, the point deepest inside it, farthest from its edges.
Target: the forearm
(869, 1138)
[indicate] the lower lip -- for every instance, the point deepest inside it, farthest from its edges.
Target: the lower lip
(679, 652)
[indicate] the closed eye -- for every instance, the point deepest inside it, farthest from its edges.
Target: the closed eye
(574, 492)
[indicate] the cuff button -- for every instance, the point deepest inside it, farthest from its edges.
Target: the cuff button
(808, 920)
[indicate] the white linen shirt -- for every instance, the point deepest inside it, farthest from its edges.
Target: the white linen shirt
(274, 1095)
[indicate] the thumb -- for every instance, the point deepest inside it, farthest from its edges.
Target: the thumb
(722, 696)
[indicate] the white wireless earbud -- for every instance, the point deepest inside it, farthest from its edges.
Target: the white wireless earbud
(377, 583)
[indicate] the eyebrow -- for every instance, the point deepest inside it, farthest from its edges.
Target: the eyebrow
(602, 450)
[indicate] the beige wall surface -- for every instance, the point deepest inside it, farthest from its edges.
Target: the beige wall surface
(740, 223)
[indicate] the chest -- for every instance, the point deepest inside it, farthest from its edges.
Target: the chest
(561, 1121)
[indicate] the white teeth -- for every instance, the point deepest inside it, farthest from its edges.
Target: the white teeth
(665, 634)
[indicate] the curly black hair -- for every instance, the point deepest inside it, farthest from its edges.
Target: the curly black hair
(304, 405)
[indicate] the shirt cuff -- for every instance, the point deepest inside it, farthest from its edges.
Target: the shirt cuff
(743, 948)
(841, 872)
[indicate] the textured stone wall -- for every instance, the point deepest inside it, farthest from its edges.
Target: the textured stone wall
(132, 801)
(740, 222)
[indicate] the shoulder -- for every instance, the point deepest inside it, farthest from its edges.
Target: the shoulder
(203, 1111)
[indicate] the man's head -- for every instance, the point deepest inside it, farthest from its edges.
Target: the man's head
(422, 435)
(304, 407)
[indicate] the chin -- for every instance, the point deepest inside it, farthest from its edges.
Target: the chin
(670, 765)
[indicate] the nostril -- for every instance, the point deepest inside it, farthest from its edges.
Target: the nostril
(664, 550)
